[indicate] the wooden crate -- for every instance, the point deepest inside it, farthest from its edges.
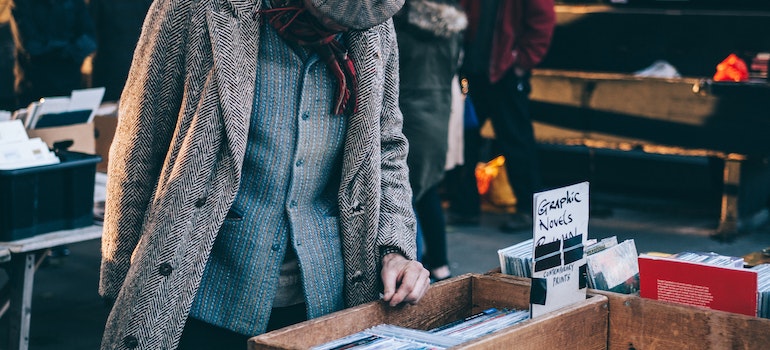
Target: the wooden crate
(638, 323)
(579, 326)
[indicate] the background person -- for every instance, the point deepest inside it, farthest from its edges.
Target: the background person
(504, 41)
(429, 40)
(53, 38)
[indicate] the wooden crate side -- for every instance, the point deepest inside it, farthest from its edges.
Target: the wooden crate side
(578, 326)
(446, 301)
(500, 291)
(647, 324)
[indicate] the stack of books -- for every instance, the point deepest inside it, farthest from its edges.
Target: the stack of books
(700, 279)
(18, 151)
(516, 260)
(763, 290)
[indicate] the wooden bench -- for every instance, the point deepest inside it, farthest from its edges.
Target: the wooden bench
(686, 117)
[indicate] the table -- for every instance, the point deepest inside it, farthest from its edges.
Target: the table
(21, 256)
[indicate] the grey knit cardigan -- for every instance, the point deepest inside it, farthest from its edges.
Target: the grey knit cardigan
(175, 162)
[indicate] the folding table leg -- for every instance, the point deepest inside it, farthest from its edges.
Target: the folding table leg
(22, 275)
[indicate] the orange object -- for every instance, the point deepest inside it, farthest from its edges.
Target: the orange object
(486, 173)
(732, 68)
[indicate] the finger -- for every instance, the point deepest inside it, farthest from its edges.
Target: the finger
(390, 275)
(388, 284)
(421, 288)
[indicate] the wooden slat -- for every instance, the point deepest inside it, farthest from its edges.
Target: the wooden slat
(644, 147)
(579, 326)
(647, 324)
(488, 291)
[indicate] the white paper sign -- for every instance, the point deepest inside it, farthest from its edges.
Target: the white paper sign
(560, 233)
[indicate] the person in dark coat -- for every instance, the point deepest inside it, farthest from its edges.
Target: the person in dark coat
(504, 41)
(53, 38)
(429, 39)
(118, 24)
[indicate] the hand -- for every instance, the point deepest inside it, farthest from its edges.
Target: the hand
(404, 280)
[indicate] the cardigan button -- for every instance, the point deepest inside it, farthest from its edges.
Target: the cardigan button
(130, 342)
(165, 269)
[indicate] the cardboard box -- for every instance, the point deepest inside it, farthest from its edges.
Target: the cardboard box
(641, 323)
(82, 136)
(578, 326)
(104, 129)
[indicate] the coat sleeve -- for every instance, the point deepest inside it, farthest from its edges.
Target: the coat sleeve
(397, 222)
(148, 110)
(539, 20)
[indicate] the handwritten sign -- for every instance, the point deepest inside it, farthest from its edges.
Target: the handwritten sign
(560, 233)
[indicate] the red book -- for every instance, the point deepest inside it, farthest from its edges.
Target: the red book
(697, 284)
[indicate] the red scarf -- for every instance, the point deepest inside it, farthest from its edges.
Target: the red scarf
(296, 24)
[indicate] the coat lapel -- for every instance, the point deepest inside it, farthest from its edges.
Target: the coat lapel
(234, 42)
(360, 136)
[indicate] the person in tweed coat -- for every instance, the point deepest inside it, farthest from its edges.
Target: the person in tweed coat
(176, 163)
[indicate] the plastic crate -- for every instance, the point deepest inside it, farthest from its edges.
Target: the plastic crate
(48, 198)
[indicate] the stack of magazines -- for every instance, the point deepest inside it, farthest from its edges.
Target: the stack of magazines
(481, 324)
(710, 258)
(516, 260)
(763, 290)
(611, 266)
(387, 336)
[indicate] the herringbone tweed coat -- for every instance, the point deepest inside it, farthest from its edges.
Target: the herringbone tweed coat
(175, 162)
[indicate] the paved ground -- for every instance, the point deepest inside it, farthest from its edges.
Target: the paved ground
(67, 313)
